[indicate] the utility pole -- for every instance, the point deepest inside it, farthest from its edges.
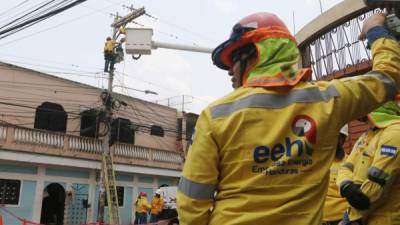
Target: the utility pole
(119, 22)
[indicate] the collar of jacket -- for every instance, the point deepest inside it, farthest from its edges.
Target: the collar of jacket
(386, 115)
(276, 65)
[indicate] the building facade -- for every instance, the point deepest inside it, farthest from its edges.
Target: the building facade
(51, 134)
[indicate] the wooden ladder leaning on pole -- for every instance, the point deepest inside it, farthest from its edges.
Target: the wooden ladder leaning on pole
(110, 188)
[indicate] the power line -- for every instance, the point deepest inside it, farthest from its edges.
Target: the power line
(3, 33)
(12, 8)
(60, 24)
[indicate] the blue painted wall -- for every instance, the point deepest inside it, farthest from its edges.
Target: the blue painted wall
(124, 177)
(67, 173)
(25, 208)
(95, 204)
(163, 180)
(18, 169)
(126, 211)
(146, 179)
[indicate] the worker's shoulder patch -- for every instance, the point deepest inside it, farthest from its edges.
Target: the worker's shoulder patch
(388, 150)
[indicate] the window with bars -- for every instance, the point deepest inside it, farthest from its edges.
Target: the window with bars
(120, 196)
(9, 191)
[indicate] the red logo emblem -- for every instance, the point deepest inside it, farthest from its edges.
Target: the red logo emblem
(303, 125)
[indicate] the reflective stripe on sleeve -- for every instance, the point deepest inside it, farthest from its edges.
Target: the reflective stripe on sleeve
(378, 176)
(348, 165)
(275, 101)
(196, 190)
(390, 85)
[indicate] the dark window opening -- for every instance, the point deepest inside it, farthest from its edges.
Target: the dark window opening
(122, 131)
(179, 129)
(90, 123)
(191, 120)
(120, 196)
(157, 131)
(9, 191)
(51, 116)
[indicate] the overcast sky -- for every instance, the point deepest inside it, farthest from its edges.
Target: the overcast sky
(71, 43)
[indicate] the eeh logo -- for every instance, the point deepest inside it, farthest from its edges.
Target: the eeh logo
(303, 125)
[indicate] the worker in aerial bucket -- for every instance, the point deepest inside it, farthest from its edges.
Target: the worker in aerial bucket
(370, 177)
(109, 54)
(261, 155)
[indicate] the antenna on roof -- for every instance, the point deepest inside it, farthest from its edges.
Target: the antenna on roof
(320, 6)
(294, 23)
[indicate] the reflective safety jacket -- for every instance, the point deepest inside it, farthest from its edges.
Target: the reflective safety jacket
(109, 46)
(157, 205)
(375, 164)
(142, 205)
(262, 155)
(335, 205)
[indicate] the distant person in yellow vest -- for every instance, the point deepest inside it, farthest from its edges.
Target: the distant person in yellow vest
(142, 208)
(109, 55)
(157, 205)
(335, 205)
(370, 177)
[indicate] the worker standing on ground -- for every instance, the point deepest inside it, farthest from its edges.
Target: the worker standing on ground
(109, 55)
(335, 205)
(142, 208)
(266, 148)
(157, 205)
(370, 177)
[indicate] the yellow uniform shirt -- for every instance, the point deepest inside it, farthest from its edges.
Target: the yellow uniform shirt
(375, 164)
(335, 205)
(109, 46)
(142, 205)
(157, 205)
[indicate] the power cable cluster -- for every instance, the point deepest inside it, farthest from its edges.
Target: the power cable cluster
(37, 14)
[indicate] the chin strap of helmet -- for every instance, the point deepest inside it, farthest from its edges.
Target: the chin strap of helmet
(249, 53)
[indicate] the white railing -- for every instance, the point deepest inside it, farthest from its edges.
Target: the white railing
(132, 151)
(3, 132)
(38, 137)
(89, 145)
(164, 156)
(66, 142)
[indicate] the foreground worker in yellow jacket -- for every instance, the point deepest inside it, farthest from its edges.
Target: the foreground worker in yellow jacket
(264, 150)
(370, 177)
(335, 205)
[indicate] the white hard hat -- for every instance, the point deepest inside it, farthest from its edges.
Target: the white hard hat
(345, 130)
(158, 192)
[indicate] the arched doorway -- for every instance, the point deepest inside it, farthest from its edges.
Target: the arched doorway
(53, 205)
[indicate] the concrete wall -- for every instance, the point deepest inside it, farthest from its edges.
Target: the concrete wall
(22, 90)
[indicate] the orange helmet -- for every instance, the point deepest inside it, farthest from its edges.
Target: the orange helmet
(144, 194)
(251, 29)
